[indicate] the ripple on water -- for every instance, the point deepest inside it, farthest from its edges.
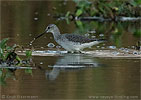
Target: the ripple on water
(112, 47)
(35, 18)
(51, 45)
(41, 63)
(135, 53)
(87, 34)
(115, 53)
(58, 47)
(101, 35)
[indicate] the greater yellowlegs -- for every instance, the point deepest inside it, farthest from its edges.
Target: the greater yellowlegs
(70, 42)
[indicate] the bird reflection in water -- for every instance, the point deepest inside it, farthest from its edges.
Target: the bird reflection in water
(71, 62)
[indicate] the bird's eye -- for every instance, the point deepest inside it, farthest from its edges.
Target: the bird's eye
(48, 28)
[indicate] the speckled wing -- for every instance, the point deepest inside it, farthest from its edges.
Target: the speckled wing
(80, 39)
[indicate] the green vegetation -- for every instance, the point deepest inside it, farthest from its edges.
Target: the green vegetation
(9, 56)
(9, 61)
(108, 8)
(7, 53)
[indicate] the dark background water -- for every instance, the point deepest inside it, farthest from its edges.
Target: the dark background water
(21, 21)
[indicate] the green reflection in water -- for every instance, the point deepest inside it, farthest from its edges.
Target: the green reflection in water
(4, 75)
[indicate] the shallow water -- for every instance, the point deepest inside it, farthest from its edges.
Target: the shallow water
(108, 70)
(77, 77)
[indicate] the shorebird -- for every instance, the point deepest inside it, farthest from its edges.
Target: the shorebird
(70, 42)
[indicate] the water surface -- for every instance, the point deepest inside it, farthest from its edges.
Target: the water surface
(69, 76)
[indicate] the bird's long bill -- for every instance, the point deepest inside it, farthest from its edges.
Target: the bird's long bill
(40, 35)
(37, 37)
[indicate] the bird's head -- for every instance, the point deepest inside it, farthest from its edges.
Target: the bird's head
(50, 28)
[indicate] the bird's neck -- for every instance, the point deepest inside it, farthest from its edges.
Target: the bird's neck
(56, 33)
